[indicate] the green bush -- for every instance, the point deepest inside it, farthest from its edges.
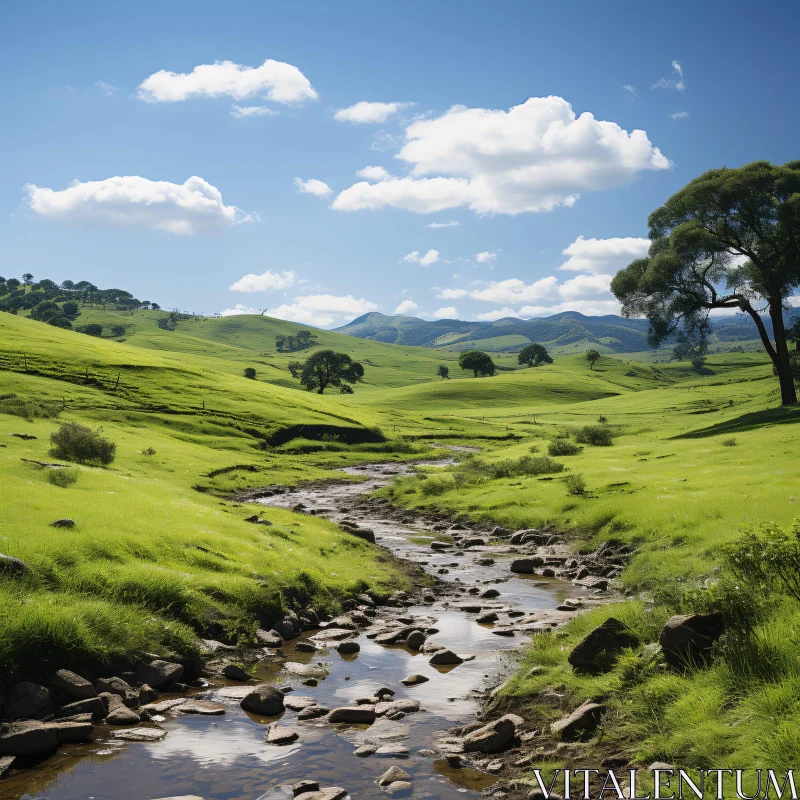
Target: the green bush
(74, 442)
(576, 485)
(437, 484)
(563, 447)
(730, 442)
(597, 435)
(62, 477)
(28, 408)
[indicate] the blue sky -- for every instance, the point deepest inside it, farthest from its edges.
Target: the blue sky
(88, 98)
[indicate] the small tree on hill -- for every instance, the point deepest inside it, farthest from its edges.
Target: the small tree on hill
(443, 371)
(27, 279)
(479, 362)
(91, 330)
(118, 330)
(70, 310)
(326, 368)
(250, 372)
(534, 355)
(74, 442)
(592, 356)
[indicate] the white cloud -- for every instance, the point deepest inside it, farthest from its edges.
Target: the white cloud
(594, 308)
(239, 309)
(794, 301)
(582, 285)
(446, 312)
(134, 202)
(375, 174)
(406, 307)
(511, 291)
(680, 115)
(242, 112)
(265, 282)
(631, 90)
(366, 112)
(275, 80)
(672, 83)
(106, 87)
(534, 157)
(500, 313)
(449, 224)
(431, 257)
(603, 255)
(485, 257)
(312, 186)
(322, 310)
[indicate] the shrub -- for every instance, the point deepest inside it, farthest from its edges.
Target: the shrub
(148, 451)
(62, 477)
(250, 372)
(527, 465)
(28, 408)
(576, 485)
(602, 420)
(91, 330)
(597, 435)
(730, 442)
(563, 447)
(437, 484)
(74, 442)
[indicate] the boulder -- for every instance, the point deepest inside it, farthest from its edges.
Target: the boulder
(6, 763)
(444, 658)
(122, 715)
(494, 736)
(140, 735)
(235, 673)
(28, 700)
(305, 786)
(394, 636)
(265, 700)
(393, 706)
(365, 750)
(363, 533)
(328, 793)
(147, 694)
(489, 593)
(280, 735)
(415, 640)
(441, 546)
(204, 708)
(313, 712)
(599, 649)
(72, 685)
(489, 616)
(687, 638)
(306, 647)
(399, 788)
(348, 647)
(391, 775)
(113, 686)
(63, 523)
(268, 638)
(12, 566)
(158, 673)
(384, 691)
(298, 702)
(27, 738)
(581, 723)
(288, 627)
(93, 705)
(526, 566)
(414, 680)
(353, 714)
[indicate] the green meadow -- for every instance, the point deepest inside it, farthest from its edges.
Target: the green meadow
(161, 551)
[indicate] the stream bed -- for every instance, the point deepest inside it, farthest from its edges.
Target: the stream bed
(226, 757)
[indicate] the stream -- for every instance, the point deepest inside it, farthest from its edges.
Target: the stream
(226, 757)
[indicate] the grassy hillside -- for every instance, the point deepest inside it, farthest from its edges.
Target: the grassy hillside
(157, 554)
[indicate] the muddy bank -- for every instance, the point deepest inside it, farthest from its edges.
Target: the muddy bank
(438, 649)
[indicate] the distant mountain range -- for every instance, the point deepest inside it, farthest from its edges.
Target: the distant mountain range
(609, 333)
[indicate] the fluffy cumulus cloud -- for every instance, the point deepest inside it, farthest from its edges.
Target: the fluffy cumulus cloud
(275, 80)
(134, 202)
(406, 307)
(452, 223)
(365, 112)
(312, 186)
(239, 309)
(533, 157)
(375, 174)
(446, 312)
(322, 310)
(485, 257)
(243, 112)
(603, 255)
(265, 282)
(512, 290)
(426, 259)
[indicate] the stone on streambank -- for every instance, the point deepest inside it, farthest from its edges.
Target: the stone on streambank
(313, 712)
(32, 737)
(72, 685)
(598, 650)
(686, 639)
(329, 793)
(28, 700)
(353, 715)
(581, 723)
(493, 737)
(526, 566)
(391, 775)
(414, 680)
(348, 647)
(305, 786)
(444, 658)
(158, 673)
(281, 735)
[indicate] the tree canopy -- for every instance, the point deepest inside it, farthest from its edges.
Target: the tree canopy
(443, 371)
(592, 356)
(534, 355)
(729, 239)
(479, 362)
(326, 368)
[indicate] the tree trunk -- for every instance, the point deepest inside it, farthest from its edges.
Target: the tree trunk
(782, 363)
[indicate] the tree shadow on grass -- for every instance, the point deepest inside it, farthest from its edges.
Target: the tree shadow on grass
(784, 415)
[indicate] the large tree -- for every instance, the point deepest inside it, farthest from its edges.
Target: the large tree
(326, 368)
(479, 362)
(729, 239)
(534, 355)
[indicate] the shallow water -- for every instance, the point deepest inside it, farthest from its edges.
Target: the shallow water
(226, 758)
